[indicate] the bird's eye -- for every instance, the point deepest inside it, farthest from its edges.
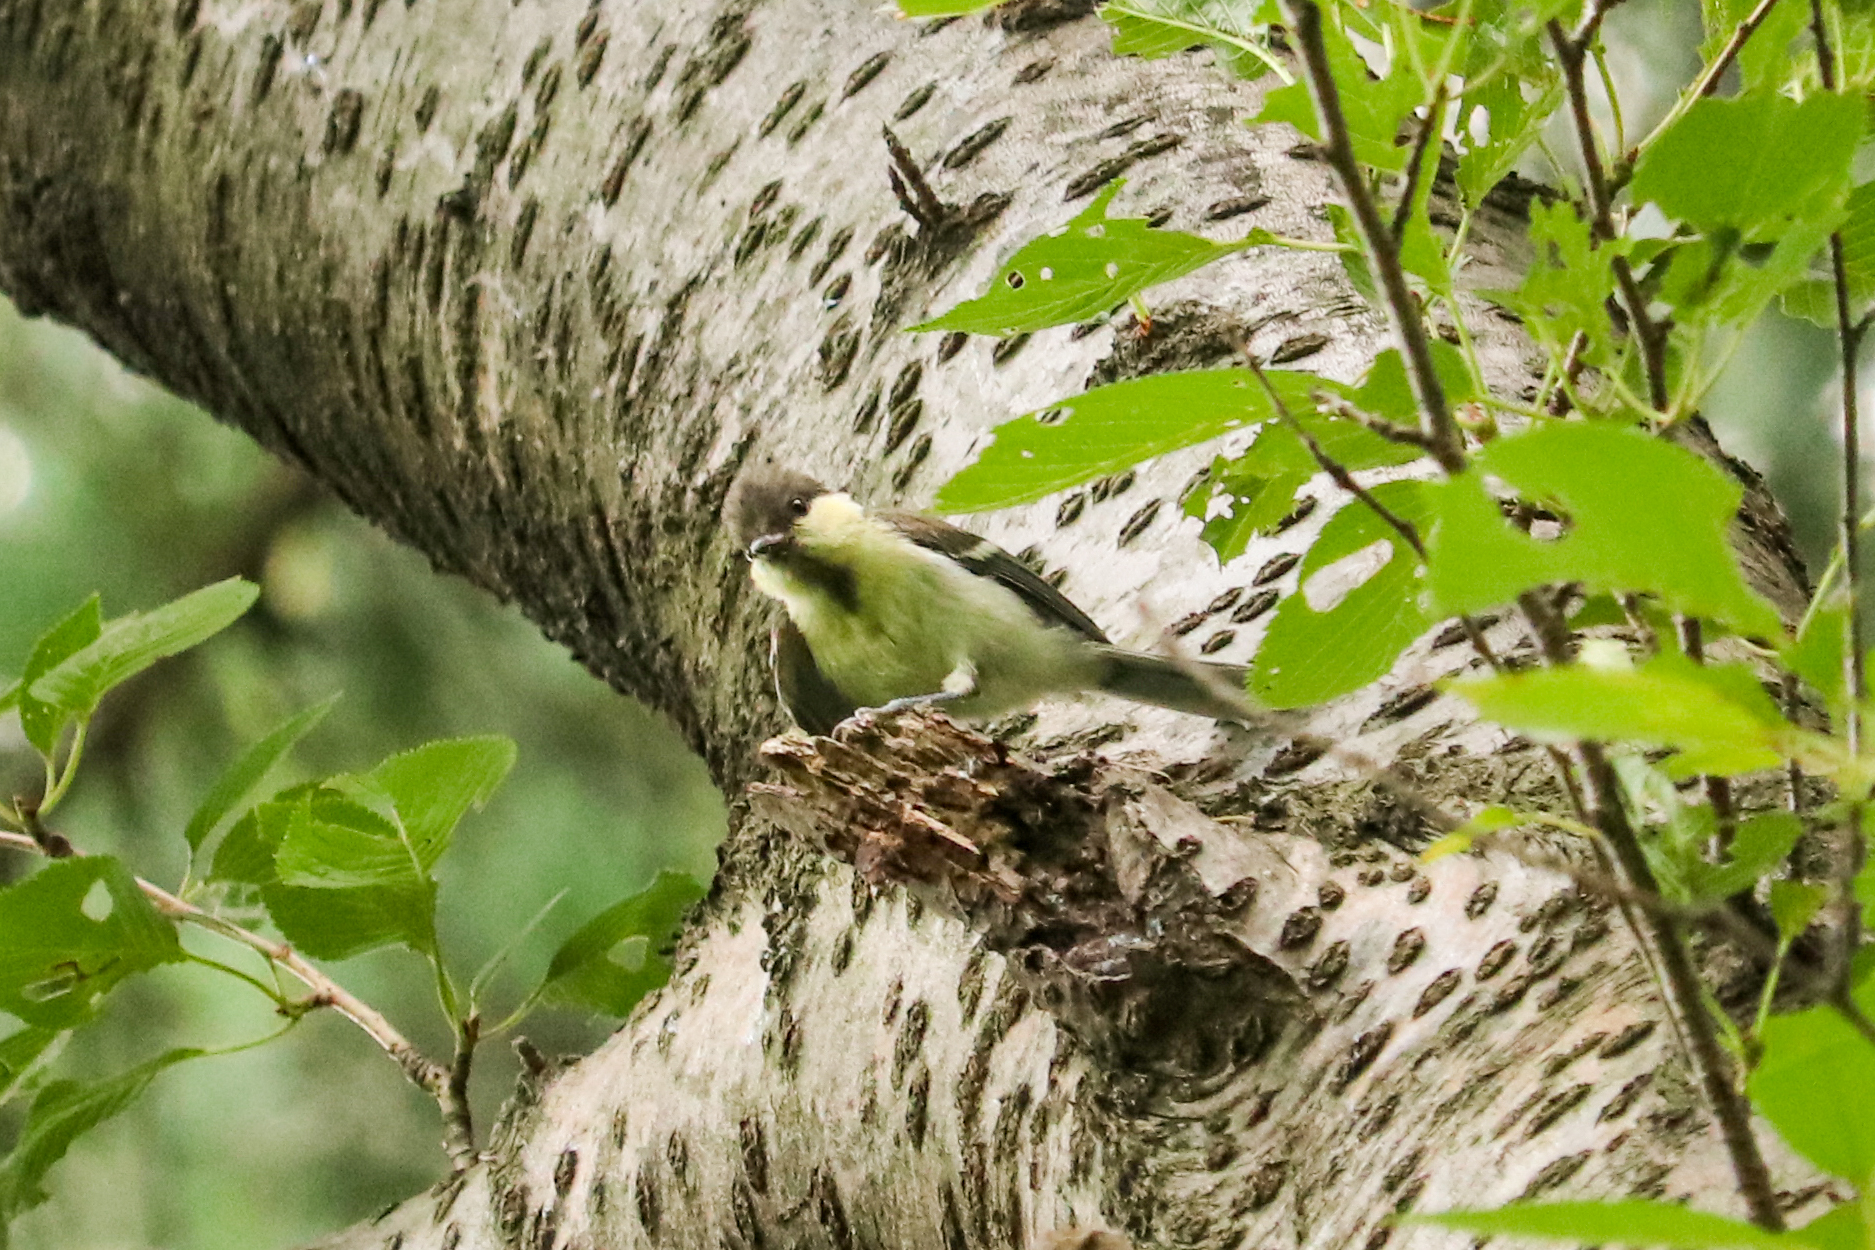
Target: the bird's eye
(798, 506)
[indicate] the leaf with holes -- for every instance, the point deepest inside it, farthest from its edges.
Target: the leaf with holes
(583, 971)
(1498, 123)
(1114, 427)
(70, 933)
(1356, 609)
(1083, 269)
(1640, 514)
(1238, 33)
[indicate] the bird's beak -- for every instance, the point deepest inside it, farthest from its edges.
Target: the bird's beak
(769, 545)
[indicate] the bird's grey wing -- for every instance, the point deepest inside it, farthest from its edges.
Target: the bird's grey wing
(810, 700)
(986, 559)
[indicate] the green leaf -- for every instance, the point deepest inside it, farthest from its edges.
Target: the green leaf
(1493, 819)
(944, 8)
(1816, 1085)
(1114, 427)
(1568, 285)
(130, 644)
(1759, 845)
(1385, 391)
(1643, 515)
(1753, 163)
(338, 924)
(333, 843)
(42, 722)
(1080, 271)
(1243, 497)
(582, 971)
(1509, 114)
(235, 789)
(1717, 710)
(1353, 253)
(62, 1112)
(19, 1052)
(1375, 110)
(1819, 653)
(1327, 639)
(1816, 300)
(1841, 1228)
(433, 786)
(72, 931)
(1794, 904)
(1238, 32)
(1634, 1222)
(1765, 60)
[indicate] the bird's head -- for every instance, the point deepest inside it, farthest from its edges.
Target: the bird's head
(765, 506)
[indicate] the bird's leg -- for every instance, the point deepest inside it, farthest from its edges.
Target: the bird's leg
(961, 684)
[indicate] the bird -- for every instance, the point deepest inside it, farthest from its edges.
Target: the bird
(893, 610)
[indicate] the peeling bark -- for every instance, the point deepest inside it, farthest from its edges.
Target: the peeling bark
(527, 283)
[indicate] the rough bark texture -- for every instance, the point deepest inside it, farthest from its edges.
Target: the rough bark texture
(527, 282)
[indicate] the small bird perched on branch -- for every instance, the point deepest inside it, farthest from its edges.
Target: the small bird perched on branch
(892, 610)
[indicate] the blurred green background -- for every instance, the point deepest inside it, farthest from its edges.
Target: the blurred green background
(107, 483)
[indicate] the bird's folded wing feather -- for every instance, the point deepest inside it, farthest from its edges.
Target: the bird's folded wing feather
(986, 559)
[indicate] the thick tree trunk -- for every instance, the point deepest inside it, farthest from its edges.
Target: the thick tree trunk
(527, 282)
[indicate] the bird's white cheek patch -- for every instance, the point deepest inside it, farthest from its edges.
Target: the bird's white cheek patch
(1330, 584)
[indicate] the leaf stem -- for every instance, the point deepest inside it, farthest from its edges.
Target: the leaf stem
(1444, 440)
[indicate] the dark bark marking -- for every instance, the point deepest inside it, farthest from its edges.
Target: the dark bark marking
(1555, 1173)
(1217, 642)
(831, 1211)
(369, 14)
(1495, 960)
(343, 122)
(806, 122)
(387, 169)
(532, 65)
(1627, 1039)
(1331, 895)
(804, 239)
(1300, 928)
(790, 96)
(591, 56)
(1329, 967)
(660, 63)
(918, 1107)
(1294, 758)
(1298, 347)
(919, 97)
(1361, 1055)
(1510, 994)
(646, 1192)
(920, 450)
(754, 1142)
(1006, 349)
(837, 351)
(523, 231)
(904, 419)
(1255, 606)
(635, 136)
(1398, 706)
(1481, 900)
(426, 108)
(1419, 890)
(1236, 206)
(1071, 509)
(1624, 1098)
(950, 345)
(1437, 991)
(971, 145)
(1106, 171)
(1265, 1183)
(1298, 514)
(862, 77)
(1034, 71)
(269, 64)
(564, 1170)
(1137, 523)
(187, 11)
(970, 984)
(867, 413)
(1275, 568)
(837, 243)
(303, 20)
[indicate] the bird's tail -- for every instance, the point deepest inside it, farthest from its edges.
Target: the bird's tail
(1202, 687)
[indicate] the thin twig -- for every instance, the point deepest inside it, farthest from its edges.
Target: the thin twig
(1718, 790)
(1608, 813)
(458, 1122)
(1416, 164)
(1445, 442)
(1708, 80)
(422, 1072)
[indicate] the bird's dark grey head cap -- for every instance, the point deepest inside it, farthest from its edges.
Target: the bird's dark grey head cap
(766, 501)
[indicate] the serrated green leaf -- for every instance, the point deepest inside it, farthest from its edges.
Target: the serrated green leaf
(582, 970)
(333, 843)
(1819, 653)
(1759, 845)
(1634, 1222)
(1238, 32)
(19, 1052)
(1765, 60)
(435, 785)
(1385, 391)
(1114, 427)
(1500, 122)
(1375, 110)
(1568, 285)
(1313, 654)
(42, 722)
(1718, 710)
(130, 644)
(1753, 163)
(1815, 300)
(1816, 1085)
(71, 932)
(235, 788)
(1083, 269)
(61, 1113)
(338, 924)
(1643, 515)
